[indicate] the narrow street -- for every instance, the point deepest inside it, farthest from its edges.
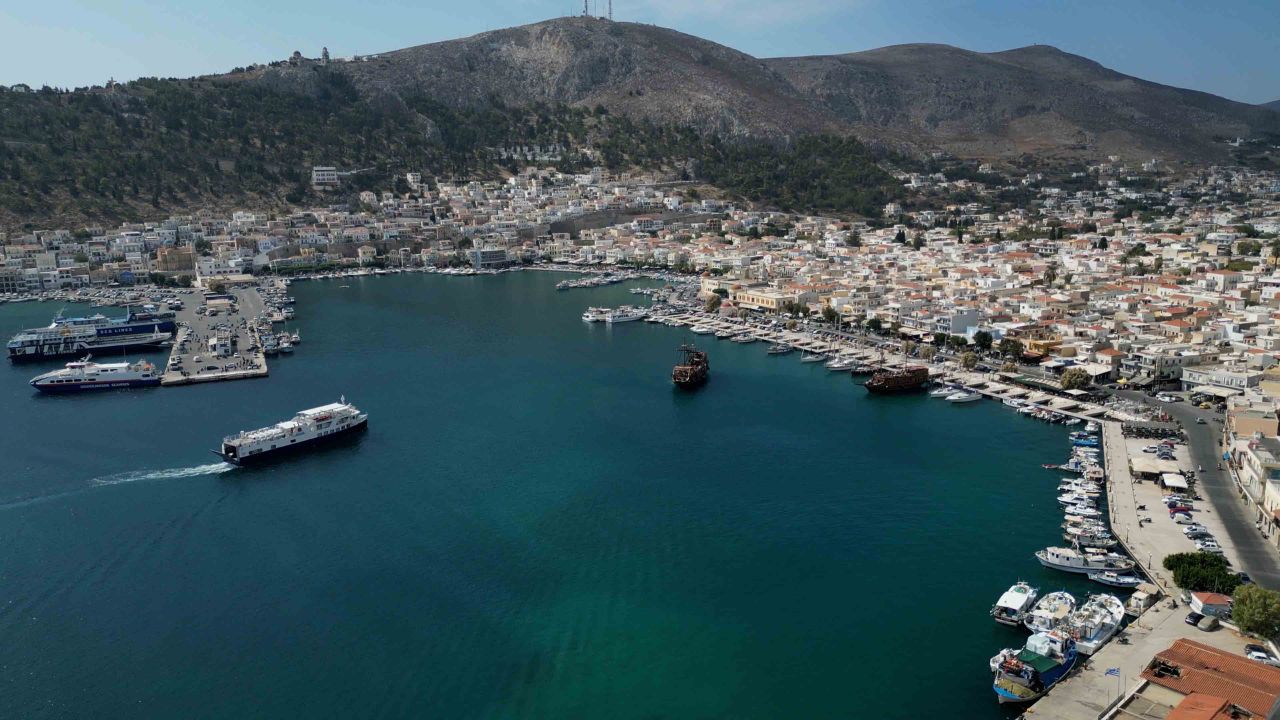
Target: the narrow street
(1259, 558)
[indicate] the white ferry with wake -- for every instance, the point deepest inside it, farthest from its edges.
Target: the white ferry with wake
(86, 375)
(307, 429)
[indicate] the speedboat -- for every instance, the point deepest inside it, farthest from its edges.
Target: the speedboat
(1014, 604)
(745, 338)
(1114, 579)
(812, 357)
(702, 330)
(944, 391)
(967, 396)
(838, 363)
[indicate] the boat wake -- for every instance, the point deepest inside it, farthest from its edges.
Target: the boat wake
(169, 474)
(122, 478)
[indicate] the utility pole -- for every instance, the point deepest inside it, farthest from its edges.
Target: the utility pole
(585, 11)
(610, 10)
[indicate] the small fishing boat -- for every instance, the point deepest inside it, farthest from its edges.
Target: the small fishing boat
(1052, 610)
(1114, 579)
(1014, 604)
(780, 349)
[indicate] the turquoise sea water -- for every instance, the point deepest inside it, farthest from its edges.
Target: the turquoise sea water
(535, 526)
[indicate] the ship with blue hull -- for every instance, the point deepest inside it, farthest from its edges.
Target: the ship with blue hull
(1043, 662)
(84, 375)
(141, 327)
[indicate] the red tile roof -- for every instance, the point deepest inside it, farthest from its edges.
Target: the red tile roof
(1188, 667)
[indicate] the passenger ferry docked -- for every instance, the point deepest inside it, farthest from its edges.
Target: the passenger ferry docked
(77, 336)
(306, 430)
(86, 375)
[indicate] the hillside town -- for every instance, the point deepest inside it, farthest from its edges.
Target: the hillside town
(1135, 281)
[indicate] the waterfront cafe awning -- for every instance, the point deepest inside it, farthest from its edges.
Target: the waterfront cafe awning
(1173, 481)
(1217, 392)
(1152, 466)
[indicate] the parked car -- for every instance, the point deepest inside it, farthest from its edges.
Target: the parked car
(1174, 510)
(1201, 421)
(1183, 519)
(1244, 578)
(1193, 618)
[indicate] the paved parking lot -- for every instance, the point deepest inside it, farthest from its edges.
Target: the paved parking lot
(193, 360)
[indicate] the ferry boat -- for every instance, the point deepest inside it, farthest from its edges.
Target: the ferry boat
(307, 429)
(1014, 604)
(902, 380)
(1052, 611)
(693, 368)
(86, 375)
(1042, 663)
(595, 314)
(1096, 622)
(96, 333)
(1082, 561)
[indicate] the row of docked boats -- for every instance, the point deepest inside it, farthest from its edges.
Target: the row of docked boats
(593, 281)
(1061, 630)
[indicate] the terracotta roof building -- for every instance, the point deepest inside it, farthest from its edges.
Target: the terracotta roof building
(1202, 675)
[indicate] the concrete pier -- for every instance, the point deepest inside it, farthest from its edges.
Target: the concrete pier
(239, 363)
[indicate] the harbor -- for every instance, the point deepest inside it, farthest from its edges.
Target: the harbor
(696, 550)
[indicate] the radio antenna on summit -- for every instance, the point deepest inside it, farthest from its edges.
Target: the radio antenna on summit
(585, 11)
(610, 10)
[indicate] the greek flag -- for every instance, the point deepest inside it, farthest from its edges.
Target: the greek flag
(1115, 672)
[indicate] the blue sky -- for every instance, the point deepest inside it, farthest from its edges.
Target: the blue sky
(1230, 47)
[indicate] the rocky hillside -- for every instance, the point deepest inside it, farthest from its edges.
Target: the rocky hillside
(641, 71)
(1273, 105)
(1034, 100)
(787, 132)
(1037, 100)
